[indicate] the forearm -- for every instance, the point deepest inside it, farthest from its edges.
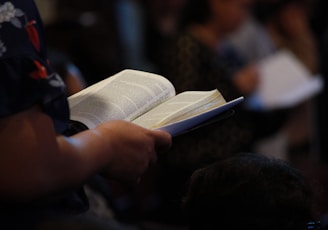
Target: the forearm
(77, 159)
(34, 162)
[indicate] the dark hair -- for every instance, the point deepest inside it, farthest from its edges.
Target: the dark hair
(248, 192)
(196, 11)
(264, 10)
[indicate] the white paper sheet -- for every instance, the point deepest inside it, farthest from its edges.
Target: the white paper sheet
(284, 82)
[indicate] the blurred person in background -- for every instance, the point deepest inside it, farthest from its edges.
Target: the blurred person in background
(288, 24)
(162, 18)
(275, 25)
(204, 26)
(198, 59)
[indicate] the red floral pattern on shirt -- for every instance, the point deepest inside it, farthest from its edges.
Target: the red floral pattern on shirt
(10, 14)
(40, 73)
(33, 34)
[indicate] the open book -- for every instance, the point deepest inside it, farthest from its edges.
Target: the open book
(148, 100)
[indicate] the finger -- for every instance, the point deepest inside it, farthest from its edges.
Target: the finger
(163, 140)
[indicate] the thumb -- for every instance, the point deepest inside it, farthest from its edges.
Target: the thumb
(163, 140)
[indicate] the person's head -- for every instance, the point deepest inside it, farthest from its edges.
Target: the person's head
(248, 192)
(270, 10)
(227, 15)
(288, 18)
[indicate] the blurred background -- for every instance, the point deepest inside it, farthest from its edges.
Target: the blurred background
(91, 40)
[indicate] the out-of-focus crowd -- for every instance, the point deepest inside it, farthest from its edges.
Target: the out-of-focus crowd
(198, 45)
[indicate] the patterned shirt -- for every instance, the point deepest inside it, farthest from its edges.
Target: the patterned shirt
(26, 78)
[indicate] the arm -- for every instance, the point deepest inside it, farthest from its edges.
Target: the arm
(35, 162)
(246, 80)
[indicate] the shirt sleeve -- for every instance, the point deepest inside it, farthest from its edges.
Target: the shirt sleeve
(26, 78)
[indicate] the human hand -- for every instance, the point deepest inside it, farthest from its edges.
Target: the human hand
(246, 80)
(131, 149)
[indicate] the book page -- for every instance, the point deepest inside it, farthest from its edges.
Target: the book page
(200, 120)
(181, 106)
(284, 82)
(123, 96)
